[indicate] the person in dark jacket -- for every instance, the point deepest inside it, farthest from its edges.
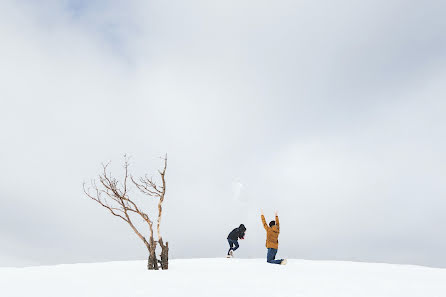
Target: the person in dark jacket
(233, 237)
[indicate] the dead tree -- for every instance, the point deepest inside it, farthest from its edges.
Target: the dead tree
(114, 196)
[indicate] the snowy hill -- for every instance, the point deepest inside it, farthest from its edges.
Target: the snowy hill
(225, 277)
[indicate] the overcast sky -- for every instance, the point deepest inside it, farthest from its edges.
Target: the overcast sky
(330, 112)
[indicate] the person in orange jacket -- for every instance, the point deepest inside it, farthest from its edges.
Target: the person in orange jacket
(272, 240)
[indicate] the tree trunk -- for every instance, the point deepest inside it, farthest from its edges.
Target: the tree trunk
(153, 261)
(164, 255)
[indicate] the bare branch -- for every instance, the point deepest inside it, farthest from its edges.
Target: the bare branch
(160, 203)
(112, 195)
(97, 198)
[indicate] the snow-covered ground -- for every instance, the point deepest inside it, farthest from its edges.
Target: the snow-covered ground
(225, 277)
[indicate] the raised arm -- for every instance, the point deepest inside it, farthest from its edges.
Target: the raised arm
(264, 222)
(277, 221)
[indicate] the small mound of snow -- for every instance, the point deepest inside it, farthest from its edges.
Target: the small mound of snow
(224, 277)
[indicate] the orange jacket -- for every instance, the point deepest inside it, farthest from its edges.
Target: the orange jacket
(272, 234)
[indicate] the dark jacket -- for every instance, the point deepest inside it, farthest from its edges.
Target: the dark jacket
(237, 233)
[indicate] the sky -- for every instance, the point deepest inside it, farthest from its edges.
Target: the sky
(331, 113)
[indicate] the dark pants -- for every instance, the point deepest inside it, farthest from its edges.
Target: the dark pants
(233, 245)
(271, 256)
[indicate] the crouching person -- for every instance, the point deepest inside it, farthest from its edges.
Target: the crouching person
(233, 237)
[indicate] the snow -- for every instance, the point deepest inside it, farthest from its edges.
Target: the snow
(225, 277)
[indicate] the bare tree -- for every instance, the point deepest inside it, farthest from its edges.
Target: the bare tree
(114, 196)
